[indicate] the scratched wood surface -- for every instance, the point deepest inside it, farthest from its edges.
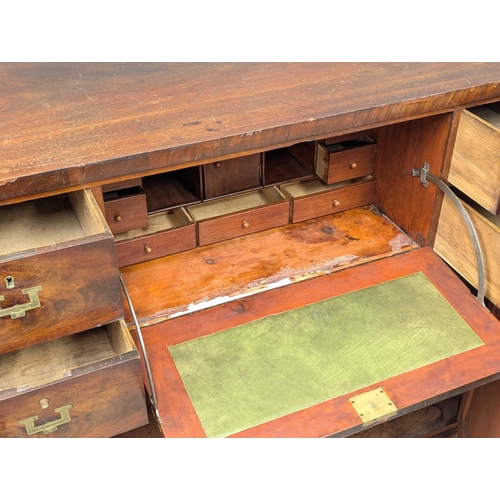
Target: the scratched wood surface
(68, 124)
(206, 275)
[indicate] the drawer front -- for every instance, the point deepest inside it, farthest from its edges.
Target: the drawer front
(346, 164)
(156, 245)
(243, 223)
(332, 201)
(231, 176)
(475, 164)
(102, 399)
(453, 243)
(101, 404)
(76, 288)
(59, 274)
(126, 211)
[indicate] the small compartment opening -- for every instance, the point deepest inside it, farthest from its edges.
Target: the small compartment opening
(38, 223)
(235, 203)
(158, 222)
(489, 113)
(348, 144)
(289, 164)
(173, 189)
(122, 193)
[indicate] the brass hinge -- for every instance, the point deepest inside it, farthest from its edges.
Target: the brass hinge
(373, 406)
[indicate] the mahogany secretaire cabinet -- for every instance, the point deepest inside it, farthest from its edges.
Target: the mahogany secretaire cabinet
(249, 249)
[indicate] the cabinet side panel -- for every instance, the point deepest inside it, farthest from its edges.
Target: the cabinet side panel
(483, 417)
(400, 196)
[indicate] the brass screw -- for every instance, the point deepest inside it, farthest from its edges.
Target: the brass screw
(245, 224)
(353, 165)
(148, 249)
(118, 218)
(336, 203)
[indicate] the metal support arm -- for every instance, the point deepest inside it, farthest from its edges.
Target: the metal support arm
(425, 176)
(143, 349)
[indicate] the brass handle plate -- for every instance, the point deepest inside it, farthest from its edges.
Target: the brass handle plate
(29, 423)
(19, 310)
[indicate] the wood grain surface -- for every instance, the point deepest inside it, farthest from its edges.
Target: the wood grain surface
(179, 283)
(79, 124)
(475, 165)
(481, 413)
(80, 289)
(105, 402)
(454, 244)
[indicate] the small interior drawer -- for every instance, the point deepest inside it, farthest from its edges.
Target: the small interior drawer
(475, 164)
(345, 160)
(231, 176)
(168, 232)
(312, 198)
(58, 272)
(453, 243)
(239, 215)
(85, 385)
(126, 209)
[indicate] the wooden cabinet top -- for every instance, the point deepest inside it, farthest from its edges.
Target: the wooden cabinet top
(69, 125)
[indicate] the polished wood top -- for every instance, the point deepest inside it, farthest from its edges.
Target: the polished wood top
(67, 125)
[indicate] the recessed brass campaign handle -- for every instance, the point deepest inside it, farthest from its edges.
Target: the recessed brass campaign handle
(19, 310)
(29, 423)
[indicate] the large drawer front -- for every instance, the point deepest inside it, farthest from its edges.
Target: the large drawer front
(475, 164)
(453, 243)
(60, 275)
(86, 385)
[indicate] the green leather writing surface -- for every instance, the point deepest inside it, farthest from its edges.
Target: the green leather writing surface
(253, 373)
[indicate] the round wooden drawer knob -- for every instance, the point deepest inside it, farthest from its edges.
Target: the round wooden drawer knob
(148, 249)
(336, 203)
(118, 218)
(245, 224)
(353, 165)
